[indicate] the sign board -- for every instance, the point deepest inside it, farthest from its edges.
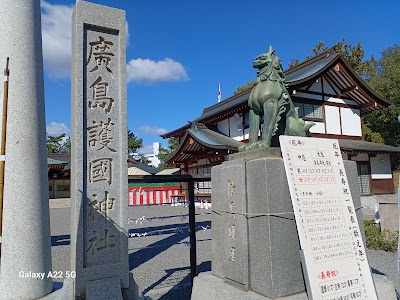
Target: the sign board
(335, 259)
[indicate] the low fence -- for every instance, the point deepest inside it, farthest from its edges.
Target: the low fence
(152, 193)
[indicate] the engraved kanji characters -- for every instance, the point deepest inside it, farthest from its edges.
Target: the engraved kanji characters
(103, 205)
(100, 170)
(231, 188)
(231, 230)
(100, 96)
(99, 243)
(100, 134)
(232, 254)
(102, 54)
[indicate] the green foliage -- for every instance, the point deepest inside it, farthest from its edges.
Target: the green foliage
(134, 142)
(55, 144)
(352, 54)
(384, 123)
(173, 143)
(66, 147)
(386, 240)
(383, 75)
(370, 136)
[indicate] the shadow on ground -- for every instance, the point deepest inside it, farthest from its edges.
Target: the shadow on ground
(139, 257)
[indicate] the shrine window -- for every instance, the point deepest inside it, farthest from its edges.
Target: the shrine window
(310, 111)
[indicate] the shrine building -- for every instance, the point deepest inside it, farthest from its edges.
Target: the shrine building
(327, 91)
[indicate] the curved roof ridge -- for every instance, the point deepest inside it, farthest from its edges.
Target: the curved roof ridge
(321, 55)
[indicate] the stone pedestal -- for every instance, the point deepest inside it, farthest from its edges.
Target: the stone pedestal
(388, 211)
(273, 240)
(266, 246)
(26, 222)
(255, 244)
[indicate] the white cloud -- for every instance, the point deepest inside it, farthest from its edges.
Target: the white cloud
(152, 130)
(150, 71)
(56, 39)
(56, 129)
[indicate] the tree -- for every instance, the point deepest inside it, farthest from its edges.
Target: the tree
(371, 136)
(66, 147)
(383, 76)
(134, 142)
(173, 144)
(352, 54)
(54, 143)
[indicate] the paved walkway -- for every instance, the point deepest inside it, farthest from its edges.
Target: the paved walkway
(60, 203)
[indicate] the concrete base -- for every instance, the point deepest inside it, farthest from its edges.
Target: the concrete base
(67, 292)
(384, 287)
(210, 287)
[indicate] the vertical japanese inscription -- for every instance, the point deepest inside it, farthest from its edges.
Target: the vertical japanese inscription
(231, 227)
(235, 236)
(101, 210)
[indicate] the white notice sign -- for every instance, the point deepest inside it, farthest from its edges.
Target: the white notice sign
(330, 237)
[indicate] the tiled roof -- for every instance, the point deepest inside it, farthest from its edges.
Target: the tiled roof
(200, 140)
(364, 146)
(310, 69)
(211, 138)
(51, 161)
(346, 80)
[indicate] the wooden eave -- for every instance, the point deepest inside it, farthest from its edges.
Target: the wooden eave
(348, 84)
(176, 133)
(339, 73)
(191, 149)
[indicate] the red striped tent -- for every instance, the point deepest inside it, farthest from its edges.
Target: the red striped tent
(152, 193)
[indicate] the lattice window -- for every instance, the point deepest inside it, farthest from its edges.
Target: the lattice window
(311, 111)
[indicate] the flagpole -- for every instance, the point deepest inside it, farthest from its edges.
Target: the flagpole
(3, 145)
(219, 92)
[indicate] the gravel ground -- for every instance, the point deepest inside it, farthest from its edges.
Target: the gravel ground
(159, 249)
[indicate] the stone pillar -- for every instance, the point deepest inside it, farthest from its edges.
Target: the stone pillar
(26, 247)
(99, 241)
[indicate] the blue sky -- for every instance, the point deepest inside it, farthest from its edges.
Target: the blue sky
(178, 51)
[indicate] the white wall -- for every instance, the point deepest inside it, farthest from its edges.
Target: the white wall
(381, 167)
(319, 127)
(223, 126)
(332, 119)
(236, 127)
(351, 121)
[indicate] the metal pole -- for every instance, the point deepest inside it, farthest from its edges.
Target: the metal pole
(3, 144)
(192, 227)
